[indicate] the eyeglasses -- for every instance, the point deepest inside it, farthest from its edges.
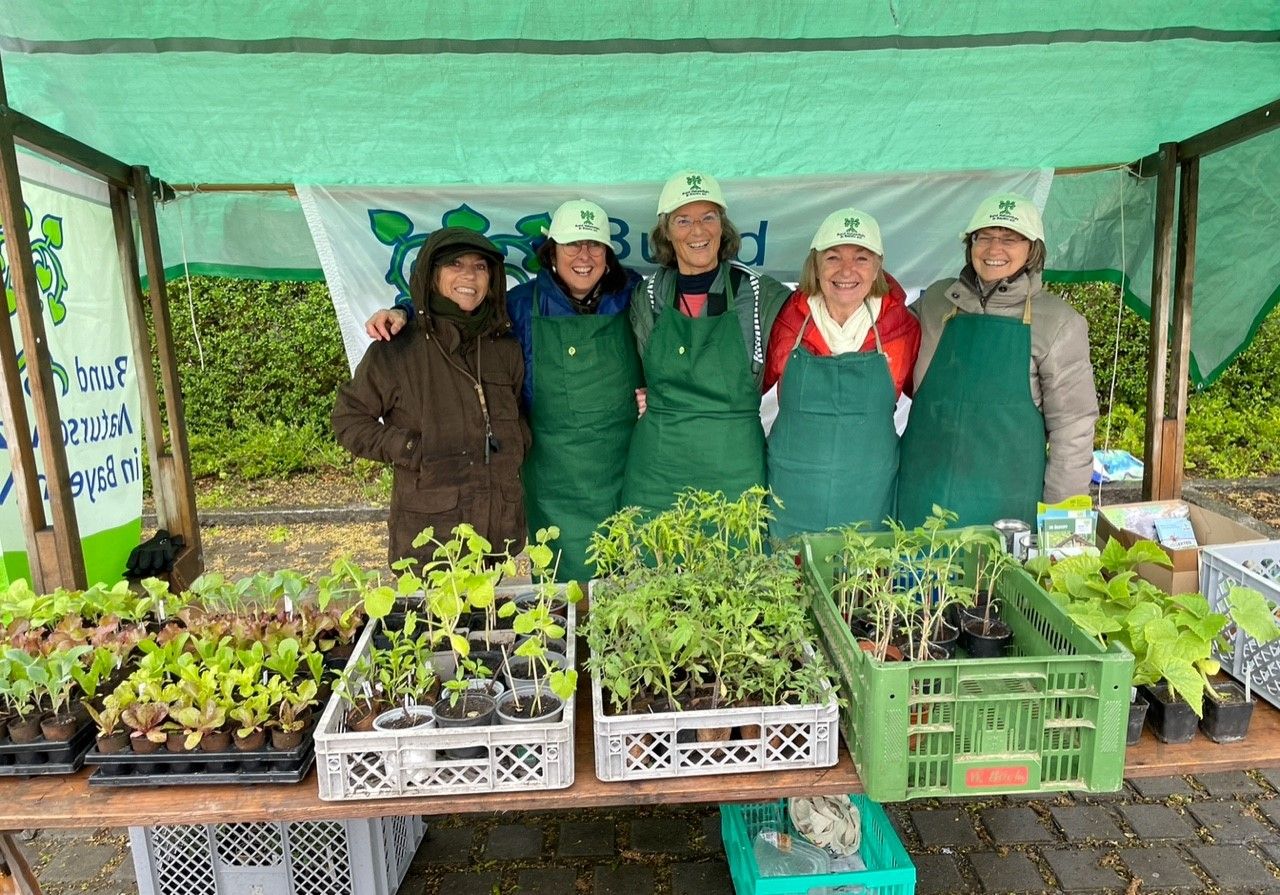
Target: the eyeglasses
(709, 220)
(986, 240)
(590, 246)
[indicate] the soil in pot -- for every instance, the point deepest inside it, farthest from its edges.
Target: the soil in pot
(1226, 719)
(1137, 717)
(946, 637)
(25, 730)
(59, 728)
(400, 718)
(473, 709)
(490, 659)
(114, 743)
(143, 746)
(256, 739)
(216, 741)
(492, 639)
(176, 741)
(1171, 719)
(360, 716)
(286, 740)
(520, 707)
(983, 640)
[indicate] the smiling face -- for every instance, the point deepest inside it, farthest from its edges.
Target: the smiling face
(846, 274)
(694, 231)
(464, 280)
(998, 253)
(580, 265)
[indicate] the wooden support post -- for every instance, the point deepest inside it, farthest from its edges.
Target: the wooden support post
(57, 559)
(1158, 347)
(16, 875)
(1174, 449)
(171, 472)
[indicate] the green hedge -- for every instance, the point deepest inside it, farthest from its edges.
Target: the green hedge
(258, 403)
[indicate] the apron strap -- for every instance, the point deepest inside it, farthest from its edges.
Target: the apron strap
(876, 330)
(1026, 312)
(800, 335)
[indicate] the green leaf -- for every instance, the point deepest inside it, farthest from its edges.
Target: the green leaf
(378, 602)
(1254, 615)
(51, 227)
(1114, 557)
(465, 216)
(1149, 551)
(389, 227)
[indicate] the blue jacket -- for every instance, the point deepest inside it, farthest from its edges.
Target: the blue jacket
(553, 303)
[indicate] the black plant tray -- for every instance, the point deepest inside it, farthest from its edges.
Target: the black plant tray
(199, 768)
(43, 758)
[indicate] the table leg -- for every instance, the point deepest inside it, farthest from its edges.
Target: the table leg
(16, 877)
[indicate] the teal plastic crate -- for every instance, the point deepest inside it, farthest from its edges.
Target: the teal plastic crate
(889, 868)
(1050, 717)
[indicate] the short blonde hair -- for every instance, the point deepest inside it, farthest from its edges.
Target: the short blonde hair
(664, 253)
(809, 284)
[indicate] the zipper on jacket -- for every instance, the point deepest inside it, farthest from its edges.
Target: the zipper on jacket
(491, 444)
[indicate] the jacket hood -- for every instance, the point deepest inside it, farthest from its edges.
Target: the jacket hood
(451, 240)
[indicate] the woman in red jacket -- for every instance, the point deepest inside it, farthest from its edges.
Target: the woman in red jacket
(843, 348)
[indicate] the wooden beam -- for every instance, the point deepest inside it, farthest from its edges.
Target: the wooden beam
(16, 875)
(172, 472)
(1183, 283)
(67, 150)
(60, 560)
(1229, 133)
(1158, 346)
(153, 422)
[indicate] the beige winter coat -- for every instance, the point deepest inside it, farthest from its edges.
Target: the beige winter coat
(1061, 375)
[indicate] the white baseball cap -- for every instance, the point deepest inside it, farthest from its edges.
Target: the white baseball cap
(579, 219)
(690, 186)
(848, 226)
(1011, 211)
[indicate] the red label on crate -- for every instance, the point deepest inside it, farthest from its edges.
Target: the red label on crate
(988, 778)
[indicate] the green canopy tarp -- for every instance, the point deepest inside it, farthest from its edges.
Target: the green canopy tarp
(574, 92)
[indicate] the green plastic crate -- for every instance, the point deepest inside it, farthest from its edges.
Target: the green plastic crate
(1053, 716)
(889, 868)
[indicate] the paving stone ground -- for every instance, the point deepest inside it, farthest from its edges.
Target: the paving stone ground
(1212, 834)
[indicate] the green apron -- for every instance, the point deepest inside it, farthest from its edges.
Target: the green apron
(584, 408)
(975, 442)
(702, 426)
(833, 451)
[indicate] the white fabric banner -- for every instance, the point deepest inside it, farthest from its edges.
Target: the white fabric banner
(367, 237)
(78, 271)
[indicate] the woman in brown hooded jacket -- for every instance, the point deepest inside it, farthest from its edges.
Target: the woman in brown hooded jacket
(442, 405)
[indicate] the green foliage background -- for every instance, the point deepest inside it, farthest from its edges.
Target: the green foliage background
(258, 403)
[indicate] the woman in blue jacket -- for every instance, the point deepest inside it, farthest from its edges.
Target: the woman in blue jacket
(581, 375)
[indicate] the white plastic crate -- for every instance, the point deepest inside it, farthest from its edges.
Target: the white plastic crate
(665, 744)
(1246, 565)
(387, 764)
(337, 857)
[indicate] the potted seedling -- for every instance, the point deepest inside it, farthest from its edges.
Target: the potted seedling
(146, 721)
(983, 633)
(112, 736)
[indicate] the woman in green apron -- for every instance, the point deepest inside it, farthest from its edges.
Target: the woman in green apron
(581, 377)
(1005, 404)
(701, 324)
(841, 352)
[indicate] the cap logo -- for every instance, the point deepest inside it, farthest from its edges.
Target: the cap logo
(588, 217)
(694, 181)
(693, 186)
(1007, 204)
(1005, 212)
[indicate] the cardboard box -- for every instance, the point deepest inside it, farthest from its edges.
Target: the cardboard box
(1184, 577)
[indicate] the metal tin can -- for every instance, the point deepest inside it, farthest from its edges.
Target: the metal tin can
(1025, 545)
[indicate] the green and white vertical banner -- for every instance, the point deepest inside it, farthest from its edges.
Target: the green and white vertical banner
(77, 267)
(368, 237)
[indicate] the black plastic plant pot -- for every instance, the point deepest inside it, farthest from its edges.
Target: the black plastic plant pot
(1171, 719)
(1137, 717)
(1226, 719)
(473, 709)
(990, 644)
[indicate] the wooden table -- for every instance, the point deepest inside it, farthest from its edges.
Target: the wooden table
(69, 801)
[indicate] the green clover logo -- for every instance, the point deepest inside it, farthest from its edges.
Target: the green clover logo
(852, 223)
(694, 181)
(1007, 205)
(588, 217)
